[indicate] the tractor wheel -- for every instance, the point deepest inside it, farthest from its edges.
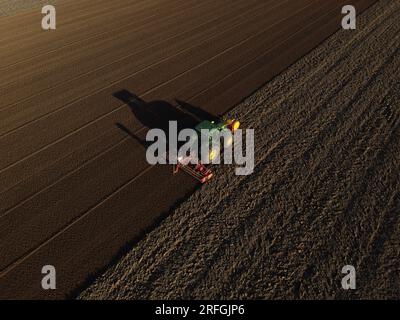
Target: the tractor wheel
(214, 152)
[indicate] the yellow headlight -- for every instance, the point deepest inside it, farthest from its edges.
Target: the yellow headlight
(235, 125)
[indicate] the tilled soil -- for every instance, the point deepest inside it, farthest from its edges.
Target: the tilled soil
(76, 190)
(325, 192)
(12, 7)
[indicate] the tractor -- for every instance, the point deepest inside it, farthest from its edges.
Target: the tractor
(202, 172)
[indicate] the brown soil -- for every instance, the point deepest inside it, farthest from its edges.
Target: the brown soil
(325, 192)
(75, 189)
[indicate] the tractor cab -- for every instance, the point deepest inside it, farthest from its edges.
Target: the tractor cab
(211, 129)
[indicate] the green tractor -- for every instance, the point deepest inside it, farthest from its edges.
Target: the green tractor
(199, 171)
(213, 128)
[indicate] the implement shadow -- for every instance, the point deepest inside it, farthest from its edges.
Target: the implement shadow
(158, 114)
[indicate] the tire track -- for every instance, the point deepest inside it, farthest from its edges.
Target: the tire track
(222, 243)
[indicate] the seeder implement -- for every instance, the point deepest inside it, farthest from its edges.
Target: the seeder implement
(196, 169)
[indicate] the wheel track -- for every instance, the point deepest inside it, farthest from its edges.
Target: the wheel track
(316, 139)
(189, 236)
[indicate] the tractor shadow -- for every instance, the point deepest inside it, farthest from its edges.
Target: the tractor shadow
(158, 114)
